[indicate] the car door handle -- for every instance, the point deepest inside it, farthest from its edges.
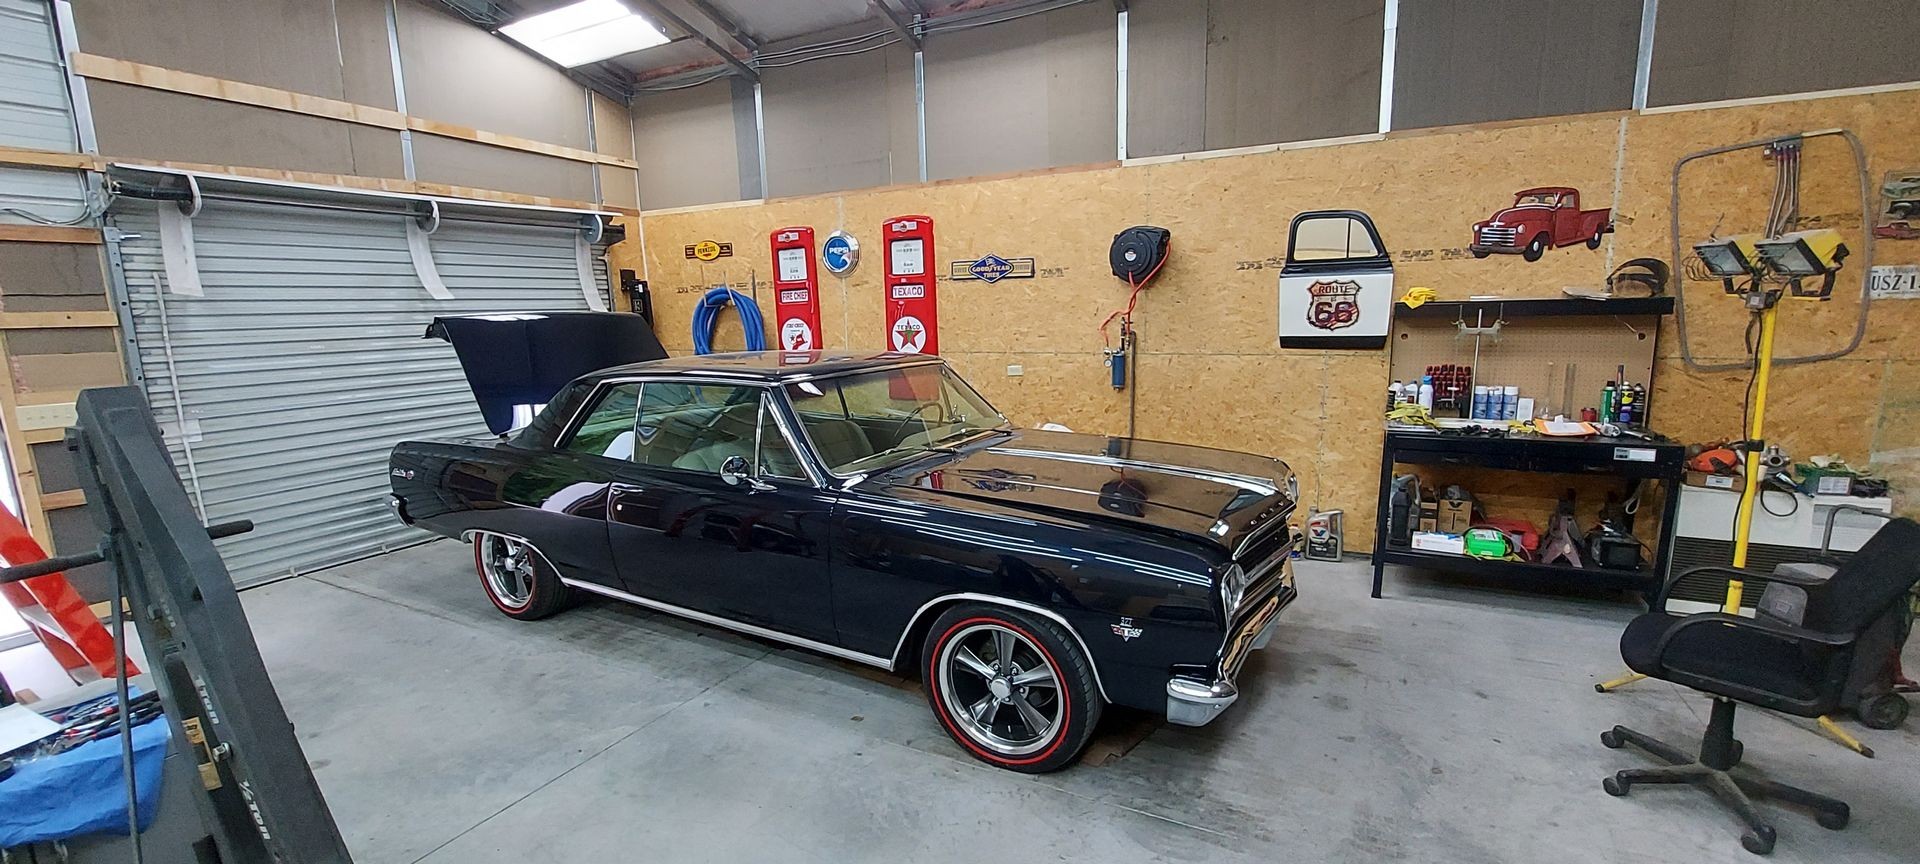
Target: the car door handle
(627, 489)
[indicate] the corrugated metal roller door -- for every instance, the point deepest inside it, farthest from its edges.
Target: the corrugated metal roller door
(304, 362)
(35, 114)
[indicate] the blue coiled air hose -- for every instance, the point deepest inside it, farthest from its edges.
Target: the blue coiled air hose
(708, 312)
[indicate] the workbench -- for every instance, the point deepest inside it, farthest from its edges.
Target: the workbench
(1628, 458)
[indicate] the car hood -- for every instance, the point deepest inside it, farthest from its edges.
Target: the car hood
(524, 358)
(1219, 497)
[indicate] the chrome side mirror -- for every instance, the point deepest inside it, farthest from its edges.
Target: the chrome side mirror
(736, 471)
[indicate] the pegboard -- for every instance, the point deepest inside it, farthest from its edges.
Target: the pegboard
(1533, 352)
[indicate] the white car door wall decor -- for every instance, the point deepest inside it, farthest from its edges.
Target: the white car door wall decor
(1336, 289)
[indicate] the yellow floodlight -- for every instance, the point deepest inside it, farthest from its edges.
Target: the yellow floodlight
(1806, 253)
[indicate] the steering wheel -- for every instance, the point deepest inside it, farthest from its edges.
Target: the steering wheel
(902, 425)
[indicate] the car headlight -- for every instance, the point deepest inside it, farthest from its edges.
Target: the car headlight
(1233, 587)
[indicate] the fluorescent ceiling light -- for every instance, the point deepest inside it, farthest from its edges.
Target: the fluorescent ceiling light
(585, 32)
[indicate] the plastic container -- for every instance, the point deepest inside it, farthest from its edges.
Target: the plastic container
(1426, 392)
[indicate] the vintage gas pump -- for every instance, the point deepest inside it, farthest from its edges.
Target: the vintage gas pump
(796, 284)
(912, 309)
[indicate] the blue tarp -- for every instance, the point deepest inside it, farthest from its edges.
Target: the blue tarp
(83, 790)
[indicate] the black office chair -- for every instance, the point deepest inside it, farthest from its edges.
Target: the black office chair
(1800, 669)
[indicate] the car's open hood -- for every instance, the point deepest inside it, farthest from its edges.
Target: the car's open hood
(1218, 496)
(524, 358)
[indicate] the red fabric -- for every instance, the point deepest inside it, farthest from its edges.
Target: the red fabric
(79, 642)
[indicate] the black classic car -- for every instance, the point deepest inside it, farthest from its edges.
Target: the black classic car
(876, 508)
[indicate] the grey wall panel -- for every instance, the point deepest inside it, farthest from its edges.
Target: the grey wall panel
(1036, 94)
(619, 187)
(296, 45)
(137, 123)
(303, 363)
(51, 194)
(34, 112)
(1292, 70)
(1469, 61)
(684, 141)
(458, 73)
(830, 124)
(51, 277)
(1707, 50)
(447, 160)
(1166, 77)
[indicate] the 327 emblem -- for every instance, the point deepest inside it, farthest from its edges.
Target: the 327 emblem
(1336, 304)
(1126, 631)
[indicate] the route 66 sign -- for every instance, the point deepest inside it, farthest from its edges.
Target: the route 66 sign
(1336, 287)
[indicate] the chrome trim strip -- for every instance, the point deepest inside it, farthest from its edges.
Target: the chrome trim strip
(889, 664)
(1002, 601)
(903, 363)
(1242, 481)
(1278, 521)
(717, 621)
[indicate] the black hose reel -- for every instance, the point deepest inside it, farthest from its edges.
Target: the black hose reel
(1138, 252)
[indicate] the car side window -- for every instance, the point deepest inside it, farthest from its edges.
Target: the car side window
(696, 426)
(1332, 238)
(608, 429)
(777, 458)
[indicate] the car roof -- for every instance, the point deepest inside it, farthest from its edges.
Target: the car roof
(767, 366)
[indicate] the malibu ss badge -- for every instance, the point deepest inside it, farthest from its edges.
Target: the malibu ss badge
(1126, 631)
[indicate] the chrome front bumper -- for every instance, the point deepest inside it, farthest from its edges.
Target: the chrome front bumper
(1195, 702)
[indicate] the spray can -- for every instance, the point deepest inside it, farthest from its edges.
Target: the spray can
(1623, 412)
(1479, 401)
(1510, 403)
(1640, 399)
(1606, 403)
(1426, 392)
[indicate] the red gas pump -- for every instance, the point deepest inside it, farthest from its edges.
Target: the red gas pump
(913, 311)
(796, 284)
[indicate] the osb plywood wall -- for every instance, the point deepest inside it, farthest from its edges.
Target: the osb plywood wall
(1210, 370)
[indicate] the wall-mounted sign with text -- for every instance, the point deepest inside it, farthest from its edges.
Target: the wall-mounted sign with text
(840, 253)
(709, 250)
(992, 268)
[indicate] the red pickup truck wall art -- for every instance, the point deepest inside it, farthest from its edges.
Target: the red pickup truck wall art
(1547, 217)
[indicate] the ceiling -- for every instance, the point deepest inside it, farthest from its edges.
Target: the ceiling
(705, 32)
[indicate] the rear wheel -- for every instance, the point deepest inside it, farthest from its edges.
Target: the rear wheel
(1594, 241)
(518, 578)
(1010, 687)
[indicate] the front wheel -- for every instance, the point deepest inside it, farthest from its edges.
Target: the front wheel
(518, 578)
(1535, 248)
(1010, 687)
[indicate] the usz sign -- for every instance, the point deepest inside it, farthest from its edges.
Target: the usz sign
(1894, 282)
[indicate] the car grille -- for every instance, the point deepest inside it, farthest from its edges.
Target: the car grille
(1497, 236)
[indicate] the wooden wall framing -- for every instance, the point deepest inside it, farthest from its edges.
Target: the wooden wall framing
(128, 72)
(1209, 370)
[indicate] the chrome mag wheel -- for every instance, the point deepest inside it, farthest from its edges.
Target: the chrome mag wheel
(507, 565)
(1001, 689)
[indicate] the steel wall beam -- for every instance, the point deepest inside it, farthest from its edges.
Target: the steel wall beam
(679, 23)
(908, 30)
(733, 29)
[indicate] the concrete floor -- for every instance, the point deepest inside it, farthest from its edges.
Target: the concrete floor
(1445, 723)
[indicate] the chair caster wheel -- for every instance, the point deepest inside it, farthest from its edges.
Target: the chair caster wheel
(1834, 820)
(1885, 711)
(1614, 787)
(1759, 841)
(1611, 739)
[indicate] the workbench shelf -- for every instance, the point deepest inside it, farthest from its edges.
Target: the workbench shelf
(1628, 458)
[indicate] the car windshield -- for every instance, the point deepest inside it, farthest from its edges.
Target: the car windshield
(869, 420)
(1547, 198)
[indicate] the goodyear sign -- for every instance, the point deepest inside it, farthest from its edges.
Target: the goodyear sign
(992, 268)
